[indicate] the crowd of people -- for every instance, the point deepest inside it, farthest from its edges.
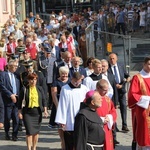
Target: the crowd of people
(45, 65)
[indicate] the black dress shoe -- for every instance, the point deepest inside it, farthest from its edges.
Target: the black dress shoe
(116, 142)
(14, 138)
(117, 130)
(125, 129)
(7, 137)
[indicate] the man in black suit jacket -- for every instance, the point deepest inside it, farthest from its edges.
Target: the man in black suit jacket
(76, 61)
(9, 88)
(121, 77)
(76, 30)
(65, 61)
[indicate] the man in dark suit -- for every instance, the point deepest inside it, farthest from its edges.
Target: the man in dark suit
(66, 61)
(76, 61)
(121, 77)
(9, 88)
(76, 30)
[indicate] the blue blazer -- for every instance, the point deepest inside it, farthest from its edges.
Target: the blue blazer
(81, 70)
(6, 88)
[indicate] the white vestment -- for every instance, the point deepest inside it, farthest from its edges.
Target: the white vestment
(69, 104)
(90, 83)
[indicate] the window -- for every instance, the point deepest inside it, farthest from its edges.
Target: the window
(4, 4)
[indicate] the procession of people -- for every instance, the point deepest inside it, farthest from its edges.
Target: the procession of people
(45, 67)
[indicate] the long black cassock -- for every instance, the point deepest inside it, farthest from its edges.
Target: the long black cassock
(88, 128)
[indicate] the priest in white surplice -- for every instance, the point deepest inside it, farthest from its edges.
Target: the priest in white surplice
(71, 96)
(92, 80)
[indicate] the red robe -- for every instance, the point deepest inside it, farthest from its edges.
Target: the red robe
(106, 109)
(140, 116)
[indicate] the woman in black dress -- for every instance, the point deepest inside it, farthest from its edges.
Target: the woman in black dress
(33, 102)
(56, 88)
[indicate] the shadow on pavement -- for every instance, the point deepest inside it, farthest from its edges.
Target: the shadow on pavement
(13, 147)
(121, 147)
(17, 147)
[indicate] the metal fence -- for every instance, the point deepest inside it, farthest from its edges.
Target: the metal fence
(131, 50)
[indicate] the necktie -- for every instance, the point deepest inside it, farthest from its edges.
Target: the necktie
(116, 75)
(47, 59)
(68, 65)
(13, 83)
(76, 70)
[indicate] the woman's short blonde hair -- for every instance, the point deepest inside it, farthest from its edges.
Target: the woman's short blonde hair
(63, 69)
(95, 62)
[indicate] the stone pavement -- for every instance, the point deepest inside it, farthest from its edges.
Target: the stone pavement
(49, 139)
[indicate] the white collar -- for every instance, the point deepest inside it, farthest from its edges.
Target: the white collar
(114, 65)
(105, 74)
(96, 74)
(76, 68)
(144, 74)
(10, 72)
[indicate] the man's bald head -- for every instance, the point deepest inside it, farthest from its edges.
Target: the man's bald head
(113, 58)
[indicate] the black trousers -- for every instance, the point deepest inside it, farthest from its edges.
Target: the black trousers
(50, 102)
(123, 109)
(69, 140)
(11, 112)
(122, 26)
(52, 116)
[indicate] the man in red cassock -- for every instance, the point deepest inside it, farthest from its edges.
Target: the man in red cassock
(107, 112)
(139, 102)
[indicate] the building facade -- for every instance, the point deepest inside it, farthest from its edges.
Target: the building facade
(12, 7)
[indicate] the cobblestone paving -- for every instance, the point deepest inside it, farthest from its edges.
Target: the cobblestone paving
(49, 139)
